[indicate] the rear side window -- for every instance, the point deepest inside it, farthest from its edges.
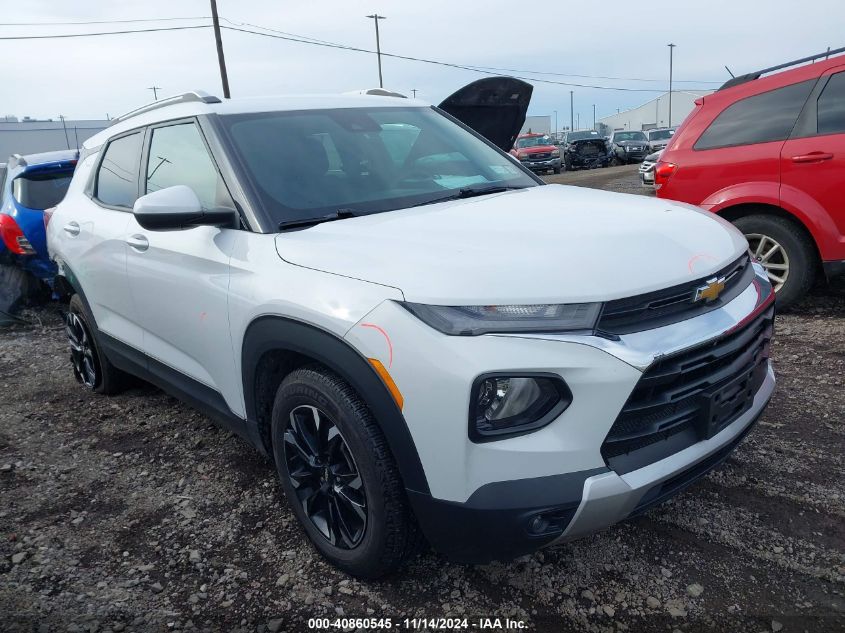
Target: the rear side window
(117, 177)
(178, 156)
(759, 119)
(41, 191)
(831, 106)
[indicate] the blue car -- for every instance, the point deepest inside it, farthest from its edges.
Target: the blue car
(30, 185)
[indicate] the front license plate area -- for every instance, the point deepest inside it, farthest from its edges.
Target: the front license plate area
(722, 405)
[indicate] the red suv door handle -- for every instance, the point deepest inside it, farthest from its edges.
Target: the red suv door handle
(812, 157)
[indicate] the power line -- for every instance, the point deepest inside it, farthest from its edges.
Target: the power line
(199, 17)
(67, 35)
(315, 42)
(435, 62)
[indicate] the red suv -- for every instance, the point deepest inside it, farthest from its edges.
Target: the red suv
(768, 154)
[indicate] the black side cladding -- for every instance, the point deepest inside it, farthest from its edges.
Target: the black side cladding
(495, 107)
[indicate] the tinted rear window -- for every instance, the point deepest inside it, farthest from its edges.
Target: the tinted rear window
(831, 106)
(759, 119)
(41, 191)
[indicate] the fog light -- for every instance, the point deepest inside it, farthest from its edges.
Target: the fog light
(504, 406)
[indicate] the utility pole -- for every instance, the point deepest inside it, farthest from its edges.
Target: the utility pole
(578, 121)
(594, 116)
(571, 112)
(376, 17)
(414, 90)
(555, 123)
(220, 59)
(155, 90)
(67, 140)
(671, 50)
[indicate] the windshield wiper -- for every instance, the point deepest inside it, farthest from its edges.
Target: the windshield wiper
(471, 192)
(340, 214)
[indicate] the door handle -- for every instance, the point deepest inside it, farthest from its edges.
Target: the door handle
(138, 242)
(812, 157)
(71, 228)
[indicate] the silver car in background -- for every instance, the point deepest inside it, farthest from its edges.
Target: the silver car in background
(658, 138)
(647, 169)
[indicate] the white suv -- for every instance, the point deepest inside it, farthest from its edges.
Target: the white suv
(429, 343)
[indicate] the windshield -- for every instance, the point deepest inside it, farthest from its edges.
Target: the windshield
(660, 135)
(304, 164)
(577, 136)
(629, 136)
(41, 191)
(533, 141)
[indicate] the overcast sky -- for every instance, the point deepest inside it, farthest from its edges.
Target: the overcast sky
(92, 77)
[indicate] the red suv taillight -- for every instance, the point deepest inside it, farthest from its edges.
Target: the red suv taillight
(662, 173)
(13, 237)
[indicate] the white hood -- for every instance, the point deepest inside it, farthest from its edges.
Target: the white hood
(551, 244)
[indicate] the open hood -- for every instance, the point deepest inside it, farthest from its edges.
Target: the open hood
(495, 107)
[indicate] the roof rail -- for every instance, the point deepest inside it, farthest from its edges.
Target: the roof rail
(188, 97)
(16, 160)
(735, 81)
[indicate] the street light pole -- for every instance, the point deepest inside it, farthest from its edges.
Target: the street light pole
(671, 50)
(414, 90)
(219, 41)
(556, 133)
(376, 17)
(594, 116)
(571, 112)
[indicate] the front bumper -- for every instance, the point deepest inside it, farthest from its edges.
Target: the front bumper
(484, 500)
(542, 165)
(590, 161)
(609, 498)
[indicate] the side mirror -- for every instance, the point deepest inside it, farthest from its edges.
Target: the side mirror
(177, 207)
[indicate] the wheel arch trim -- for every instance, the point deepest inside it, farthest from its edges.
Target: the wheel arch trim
(270, 333)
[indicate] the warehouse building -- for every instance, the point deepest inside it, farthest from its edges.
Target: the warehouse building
(653, 114)
(31, 136)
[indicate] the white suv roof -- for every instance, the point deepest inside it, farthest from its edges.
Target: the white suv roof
(197, 103)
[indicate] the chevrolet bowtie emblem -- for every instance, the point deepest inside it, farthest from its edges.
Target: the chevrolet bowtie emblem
(711, 290)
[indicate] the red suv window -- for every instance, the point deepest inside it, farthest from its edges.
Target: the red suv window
(758, 119)
(831, 106)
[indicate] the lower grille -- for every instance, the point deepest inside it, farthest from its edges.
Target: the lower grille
(690, 396)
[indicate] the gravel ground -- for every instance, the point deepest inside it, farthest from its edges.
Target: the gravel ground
(135, 513)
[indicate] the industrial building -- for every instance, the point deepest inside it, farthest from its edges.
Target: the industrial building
(654, 113)
(31, 136)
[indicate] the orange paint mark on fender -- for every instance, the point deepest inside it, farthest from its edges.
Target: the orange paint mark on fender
(386, 338)
(381, 370)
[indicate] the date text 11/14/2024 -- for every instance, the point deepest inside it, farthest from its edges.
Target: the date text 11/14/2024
(417, 624)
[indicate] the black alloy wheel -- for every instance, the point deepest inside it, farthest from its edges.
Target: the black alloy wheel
(86, 368)
(325, 477)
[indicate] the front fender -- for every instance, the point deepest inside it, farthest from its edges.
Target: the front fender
(272, 333)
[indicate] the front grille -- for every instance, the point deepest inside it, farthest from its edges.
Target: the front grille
(690, 396)
(663, 307)
(543, 156)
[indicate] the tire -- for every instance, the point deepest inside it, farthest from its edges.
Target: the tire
(90, 365)
(556, 170)
(799, 254)
(615, 162)
(320, 484)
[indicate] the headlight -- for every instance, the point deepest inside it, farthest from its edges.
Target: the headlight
(475, 320)
(555, 152)
(503, 405)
